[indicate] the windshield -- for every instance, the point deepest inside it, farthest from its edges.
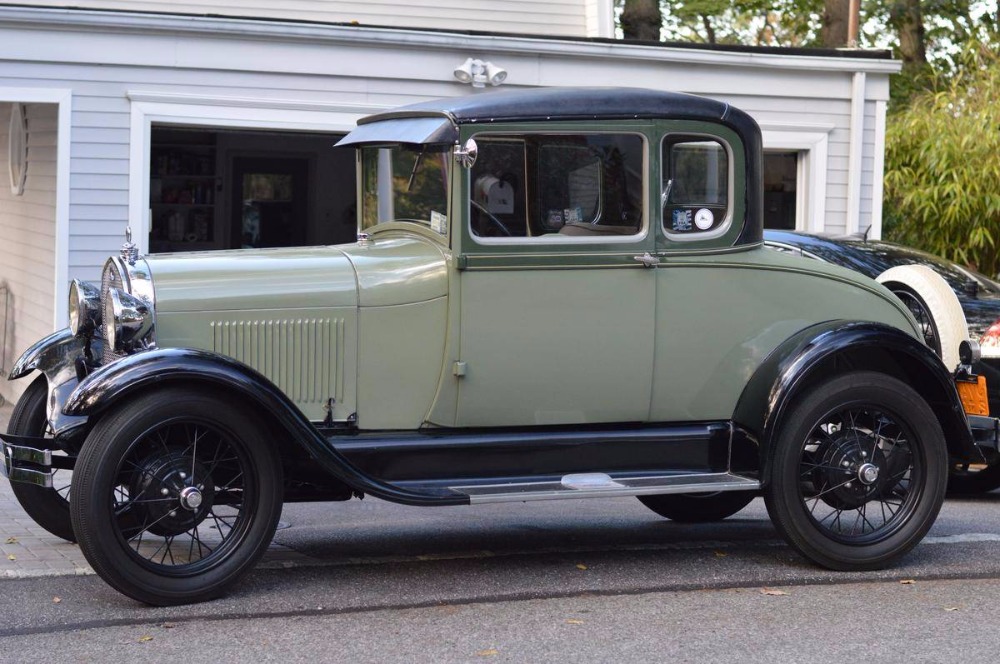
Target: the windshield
(405, 184)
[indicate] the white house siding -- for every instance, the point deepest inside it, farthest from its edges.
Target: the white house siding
(110, 59)
(27, 237)
(569, 18)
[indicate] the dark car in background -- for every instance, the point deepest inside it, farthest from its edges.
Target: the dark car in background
(973, 312)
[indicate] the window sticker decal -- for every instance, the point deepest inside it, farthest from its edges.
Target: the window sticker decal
(704, 219)
(682, 220)
(573, 215)
(439, 222)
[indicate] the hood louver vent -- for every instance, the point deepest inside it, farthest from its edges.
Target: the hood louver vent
(303, 357)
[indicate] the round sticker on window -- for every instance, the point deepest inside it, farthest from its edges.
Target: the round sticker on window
(704, 219)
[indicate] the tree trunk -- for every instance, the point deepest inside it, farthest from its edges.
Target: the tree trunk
(836, 14)
(641, 20)
(709, 29)
(905, 16)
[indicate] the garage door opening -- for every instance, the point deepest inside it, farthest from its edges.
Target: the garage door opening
(214, 189)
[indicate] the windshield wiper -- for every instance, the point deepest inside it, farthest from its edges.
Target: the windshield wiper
(413, 173)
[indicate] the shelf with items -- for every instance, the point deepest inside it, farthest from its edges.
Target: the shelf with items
(184, 191)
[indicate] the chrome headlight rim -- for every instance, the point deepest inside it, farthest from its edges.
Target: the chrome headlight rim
(84, 308)
(127, 297)
(131, 321)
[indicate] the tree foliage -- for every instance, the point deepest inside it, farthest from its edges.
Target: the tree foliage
(942, 165)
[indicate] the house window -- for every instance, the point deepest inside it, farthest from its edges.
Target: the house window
(18, 149)
(781, 171)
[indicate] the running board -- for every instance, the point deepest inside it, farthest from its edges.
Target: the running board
(601, 485)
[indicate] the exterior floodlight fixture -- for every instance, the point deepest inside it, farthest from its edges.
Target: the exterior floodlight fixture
(479, 73)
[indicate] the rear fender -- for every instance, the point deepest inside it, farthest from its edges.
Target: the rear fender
(835, 347)
(115, 383)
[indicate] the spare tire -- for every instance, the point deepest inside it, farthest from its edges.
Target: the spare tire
(935, 306)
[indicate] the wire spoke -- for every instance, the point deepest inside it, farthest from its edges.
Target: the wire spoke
(832, 454)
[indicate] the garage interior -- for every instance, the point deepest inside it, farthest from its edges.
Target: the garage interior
(213, 188)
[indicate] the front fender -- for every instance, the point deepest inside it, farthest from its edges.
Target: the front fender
(114, 383)
(49, 354)
(836, 346)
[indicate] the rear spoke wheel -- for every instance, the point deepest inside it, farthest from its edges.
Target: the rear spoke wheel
(858, 473)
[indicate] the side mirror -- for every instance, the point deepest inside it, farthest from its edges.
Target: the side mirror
(466, 154)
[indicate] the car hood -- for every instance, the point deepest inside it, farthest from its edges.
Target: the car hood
(390, 271)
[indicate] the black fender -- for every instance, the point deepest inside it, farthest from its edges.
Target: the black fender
(49, 354)
(114, 383)
(832, 347)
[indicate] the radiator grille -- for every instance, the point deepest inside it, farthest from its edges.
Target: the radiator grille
(303, 357)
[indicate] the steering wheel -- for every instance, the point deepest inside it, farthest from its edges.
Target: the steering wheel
(499, 225)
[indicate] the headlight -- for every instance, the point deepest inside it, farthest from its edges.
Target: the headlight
(84, 308)
(127, 300)
(127, 321)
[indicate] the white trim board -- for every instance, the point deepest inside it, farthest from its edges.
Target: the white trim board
(63, 98)
(222, 112)
(105, 21)
(878, 173)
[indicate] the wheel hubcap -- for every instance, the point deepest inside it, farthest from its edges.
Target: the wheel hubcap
(850, 463)
(868, 473)
(174, 492)
(856, 473)
(191, 498)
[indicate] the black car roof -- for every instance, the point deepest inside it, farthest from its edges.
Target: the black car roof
(564, 104)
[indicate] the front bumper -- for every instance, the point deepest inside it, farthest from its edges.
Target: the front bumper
(985, 431)
(31, 460)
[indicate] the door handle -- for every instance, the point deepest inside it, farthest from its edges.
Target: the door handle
(647, 260)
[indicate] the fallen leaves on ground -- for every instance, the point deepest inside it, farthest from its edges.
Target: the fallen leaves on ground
(11, 540)
(951, 608)
(11, 556)
(907, 582)
(574, 621)
(581, 566)
(144, 638)
(721, 554)
(772, 591)
(56, 600)
(168, 625)
(489, 652)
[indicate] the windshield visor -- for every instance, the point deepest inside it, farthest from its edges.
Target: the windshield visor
(405, 183)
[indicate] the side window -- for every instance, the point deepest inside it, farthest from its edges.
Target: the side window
(696, 186)
(557, 186)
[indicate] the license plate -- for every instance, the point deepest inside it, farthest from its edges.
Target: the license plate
(973, 395)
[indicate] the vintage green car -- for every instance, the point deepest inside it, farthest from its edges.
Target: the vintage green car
(554, 294)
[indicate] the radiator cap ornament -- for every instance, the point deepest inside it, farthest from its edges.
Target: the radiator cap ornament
(130, 252)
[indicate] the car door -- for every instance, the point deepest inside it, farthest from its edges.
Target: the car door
(557, 301)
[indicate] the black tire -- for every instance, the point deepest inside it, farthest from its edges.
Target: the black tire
(156, 476)
(48, 507)
(698, 507)
(966, 481)
(822, 483)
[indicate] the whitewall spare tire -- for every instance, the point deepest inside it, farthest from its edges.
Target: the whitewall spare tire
(933, 303)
